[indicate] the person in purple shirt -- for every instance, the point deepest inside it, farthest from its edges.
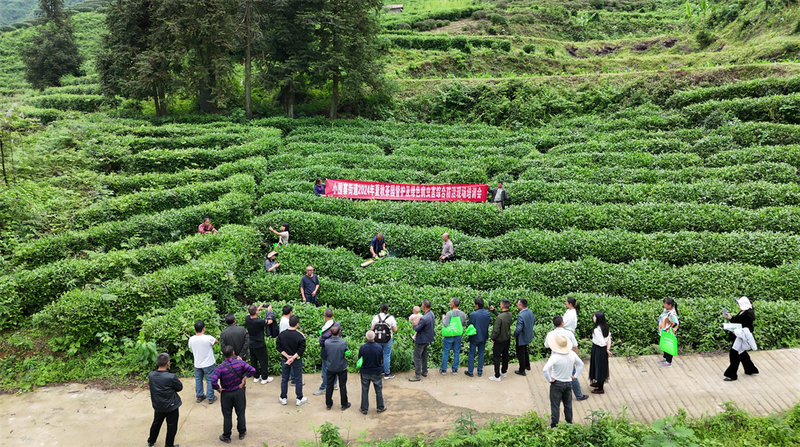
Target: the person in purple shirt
(319, 188)
(229, 378)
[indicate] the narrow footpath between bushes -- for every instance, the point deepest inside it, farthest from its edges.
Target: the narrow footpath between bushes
(77, 415)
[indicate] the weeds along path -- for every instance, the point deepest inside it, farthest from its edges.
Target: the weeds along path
(80, 415)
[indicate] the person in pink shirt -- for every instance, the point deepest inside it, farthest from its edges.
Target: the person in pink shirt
(206, 227)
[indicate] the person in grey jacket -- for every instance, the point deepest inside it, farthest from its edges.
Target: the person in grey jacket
(164, 387)
(336, 365)
(452, 342)
(501, 338)
(523, 334)
(425, 336)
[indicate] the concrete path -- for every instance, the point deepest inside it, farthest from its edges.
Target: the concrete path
(77, 415)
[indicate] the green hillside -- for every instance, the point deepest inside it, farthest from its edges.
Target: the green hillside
(648, 154)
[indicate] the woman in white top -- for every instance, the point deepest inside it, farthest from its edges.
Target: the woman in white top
(668, 322)
(571, 315)
(601, 351)
(283, 235)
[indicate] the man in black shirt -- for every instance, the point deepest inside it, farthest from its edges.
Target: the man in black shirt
(291, 344)
(235, 336)
(309, 286)
(258, 348)
(164, 387)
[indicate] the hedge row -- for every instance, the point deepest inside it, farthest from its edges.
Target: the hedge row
(80, 89)
(747, 89)
(80, 103)
(147, 129)
(81, 313)
(764, 171)
(170, 161)
(232, 208)
(460, 175)
(212, 139)
(745, 195)
(127, 184)
(305, 149)
(416, 42)
(487, 221)
(680, 248)
(123, 207)
(644, 280)
(777, 108)
(773, 154)
(38, 287)
(625, 160)
(760, 133)
(632, 323)
(455, 151)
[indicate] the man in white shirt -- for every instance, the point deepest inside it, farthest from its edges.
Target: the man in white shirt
(384, 326)
(558, 322)
(202, 347)
(558, 371)
(287, 313)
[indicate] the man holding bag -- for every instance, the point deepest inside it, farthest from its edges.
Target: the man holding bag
(453, 323)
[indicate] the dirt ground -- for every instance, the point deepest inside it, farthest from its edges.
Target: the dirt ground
(80, 415)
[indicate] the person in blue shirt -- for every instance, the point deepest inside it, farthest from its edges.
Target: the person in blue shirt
(371, 372)
(319, 188)
(481, 319)
(523, 334)
(425, 336)
(378, 246)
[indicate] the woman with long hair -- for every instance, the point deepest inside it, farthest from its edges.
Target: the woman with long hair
(571, 315)
(319, 187)
(601, 351)
(745, 317)
(668, 322)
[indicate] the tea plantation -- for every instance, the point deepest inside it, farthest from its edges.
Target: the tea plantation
(620, 211)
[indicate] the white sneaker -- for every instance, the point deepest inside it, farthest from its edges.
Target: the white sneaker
(503, 374)
(256, 379)
(301, 401)
(282, 401)
(267, 380)
(336, 387)
(495, 379)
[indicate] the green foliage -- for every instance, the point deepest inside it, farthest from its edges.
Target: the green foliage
(52, 54)
(446, 43)
(167, 329)
(146, 353)
(67, 101)
(529, 48)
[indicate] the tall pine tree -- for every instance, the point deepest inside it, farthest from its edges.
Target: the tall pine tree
(52, 53)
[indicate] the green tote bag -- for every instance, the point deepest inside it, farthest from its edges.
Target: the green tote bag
(668, 343)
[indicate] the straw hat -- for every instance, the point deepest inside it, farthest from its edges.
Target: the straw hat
(271, 254)
(559, 343)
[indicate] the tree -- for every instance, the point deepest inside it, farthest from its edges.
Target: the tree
(289, 47)
(205, 35)
(53, 52)
(136, 59)
(348, 48)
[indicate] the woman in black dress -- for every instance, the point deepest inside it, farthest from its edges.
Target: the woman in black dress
(745, 317)
(601, 351)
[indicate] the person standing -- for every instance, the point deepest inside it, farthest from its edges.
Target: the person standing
(498, 196)
(558, 323)
(202, 347)
(336, 364)
(229, 379)
(571, 315)
(164, 388)
(206, 227)
(453, 323)
(270, 265)
(377, 246)
(372, 356)
(291, 344)
(384, 326)
(559, 372)
(319, 188)
(745, 317)
(425, 336)
(286, 313)
(325, 333)
(283, 235)
(480, 319)
(258, 346)
(523, 334)
(501, 338)
(309, 286)
(235, 336)
(668, 322)
(601, 351)
(448, 254)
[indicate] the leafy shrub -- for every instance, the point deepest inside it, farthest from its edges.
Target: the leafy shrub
(497, 19)
(170, 327)
(550, 51)
(768, 172)
(775, 108)
(160, 227)
(479, 15)
(80, 103)
(529, 48)
(445, 43)
(704, 38)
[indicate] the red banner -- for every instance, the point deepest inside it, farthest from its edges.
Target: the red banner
(401, 191)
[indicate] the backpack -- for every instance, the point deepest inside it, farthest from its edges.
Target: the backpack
(383, 333)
